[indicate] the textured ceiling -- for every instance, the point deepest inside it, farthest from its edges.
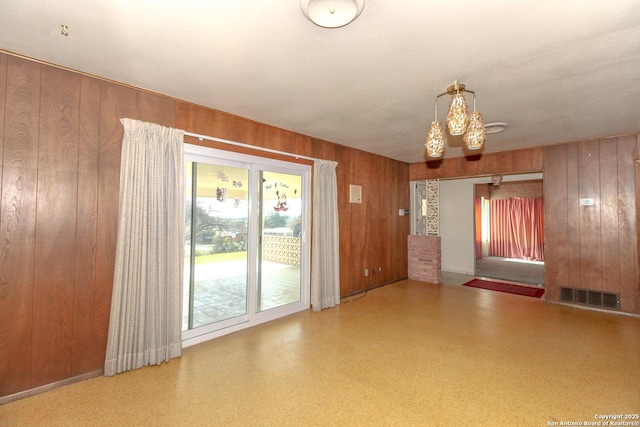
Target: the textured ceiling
(555, 70)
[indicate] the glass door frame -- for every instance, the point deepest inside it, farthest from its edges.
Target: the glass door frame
(255, 164)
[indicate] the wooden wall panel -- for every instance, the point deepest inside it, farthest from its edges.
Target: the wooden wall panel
(343, 177)
(377, 191)
(601, 241)
(590, 243)
(357, 238)
(507, 162)
(556, 232)
(627, 150)
(57, 185)
(395, 263)
(157, 109)
(17, 222)
(3, 91)
(86, 356)
(608, 203)
(637, 208)
(537, 158)
(573, 215)
(195, 119)
(116, 102)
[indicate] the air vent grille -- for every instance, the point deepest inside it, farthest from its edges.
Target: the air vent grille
(566, 294)
(591, 298)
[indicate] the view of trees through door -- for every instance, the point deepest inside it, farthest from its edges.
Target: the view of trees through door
(246, 246)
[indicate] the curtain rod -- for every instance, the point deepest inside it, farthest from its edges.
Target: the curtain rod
(253, 147)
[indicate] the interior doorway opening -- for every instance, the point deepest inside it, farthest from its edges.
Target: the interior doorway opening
(509, 230)
(457, 226)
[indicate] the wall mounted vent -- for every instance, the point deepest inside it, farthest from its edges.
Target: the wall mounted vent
(591, 298)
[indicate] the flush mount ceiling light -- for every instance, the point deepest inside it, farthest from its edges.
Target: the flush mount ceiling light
(331, 13)
(459, 122)
(495, 127)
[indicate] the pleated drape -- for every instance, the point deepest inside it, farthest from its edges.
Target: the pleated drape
(325, 260)
(517, 228)
(145, 323)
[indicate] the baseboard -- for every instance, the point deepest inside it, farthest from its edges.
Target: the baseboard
(47, 387)
(360, 291)
(600, 310)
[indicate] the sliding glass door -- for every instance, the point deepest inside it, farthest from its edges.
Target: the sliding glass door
(217, 211)
(246, 241)
(280, 240)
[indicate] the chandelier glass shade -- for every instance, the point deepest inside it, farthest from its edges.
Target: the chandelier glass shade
(474, 137)
(436, 140)
(459, 122)
(458, 115)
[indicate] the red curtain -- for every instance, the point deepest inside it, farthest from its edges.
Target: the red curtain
(478, 226)
(517, 228)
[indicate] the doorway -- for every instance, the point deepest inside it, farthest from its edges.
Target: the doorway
(509, 230)
(246, 241)
(455, 207)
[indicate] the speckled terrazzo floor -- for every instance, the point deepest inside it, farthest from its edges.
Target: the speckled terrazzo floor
(407, 354)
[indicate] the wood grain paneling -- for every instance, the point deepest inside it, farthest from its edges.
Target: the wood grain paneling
(590, 242)
(608, 165)
(85, 353)
(3, 91)
(61, 140)
(116, 102)
(627, 147)
(637, 208)
(55, 226)
(17, 223)
(343, 172)
(599, 249)
(507, 162)
(573, 216)
(556, 231)
(61, 143)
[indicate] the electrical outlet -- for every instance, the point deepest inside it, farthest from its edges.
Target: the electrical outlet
(366, 271)
(379, 268)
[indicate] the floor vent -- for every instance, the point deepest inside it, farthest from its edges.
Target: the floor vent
(592, 298)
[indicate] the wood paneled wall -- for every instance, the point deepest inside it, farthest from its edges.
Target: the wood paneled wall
(592, 247)
(372, 235)
(586, 247)
(60, 164)
(60, 182)
(505, 163)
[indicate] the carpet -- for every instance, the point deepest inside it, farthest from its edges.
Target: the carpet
(506, 287)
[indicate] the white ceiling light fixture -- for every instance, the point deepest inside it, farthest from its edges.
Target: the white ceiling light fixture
(459, 122)
(496, 127)
(331, 13)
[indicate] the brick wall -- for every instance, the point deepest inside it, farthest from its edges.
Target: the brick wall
(425, 263)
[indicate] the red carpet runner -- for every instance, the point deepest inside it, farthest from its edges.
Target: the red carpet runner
(506, 287)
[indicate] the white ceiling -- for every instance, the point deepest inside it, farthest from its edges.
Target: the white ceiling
(555, 70)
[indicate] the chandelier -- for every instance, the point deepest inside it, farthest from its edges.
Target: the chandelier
(459, 122)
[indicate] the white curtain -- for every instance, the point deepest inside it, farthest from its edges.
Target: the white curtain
(145, 323)
(325, 260)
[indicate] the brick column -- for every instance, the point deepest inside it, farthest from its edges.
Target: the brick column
(425, 263)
